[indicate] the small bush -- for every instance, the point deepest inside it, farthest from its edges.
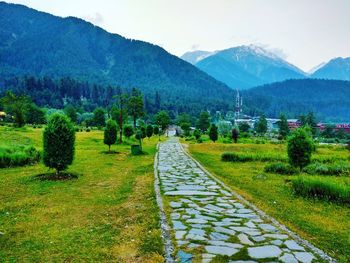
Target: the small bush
(323, 189)
(280, 168)
(328, 169)
(88, 130)
(18, 156)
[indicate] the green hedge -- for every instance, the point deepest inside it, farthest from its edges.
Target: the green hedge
(18, 156)
(321, 188)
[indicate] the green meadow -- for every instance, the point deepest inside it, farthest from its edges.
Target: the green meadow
(324, 223)
(108, 213)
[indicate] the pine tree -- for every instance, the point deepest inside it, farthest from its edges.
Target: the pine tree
(261, 125)
(300, 147)
(110, 133)
(149, 131)
(203, 121)
(135, 105)
(59, 139)
(213, 133)
(283, 126)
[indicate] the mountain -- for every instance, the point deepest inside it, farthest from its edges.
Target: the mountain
(329, 99)
(39, 44)
(244, 66)
(337, 68)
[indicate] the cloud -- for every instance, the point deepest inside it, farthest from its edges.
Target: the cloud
(96, 19)
(277, 51)
(195, 47)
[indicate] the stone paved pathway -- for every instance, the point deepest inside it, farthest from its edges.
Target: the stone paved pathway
(208, 221)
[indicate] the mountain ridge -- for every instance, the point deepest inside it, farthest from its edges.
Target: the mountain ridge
(244, 67)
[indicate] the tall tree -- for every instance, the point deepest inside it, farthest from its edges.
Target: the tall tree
(203, 121)
(122, 100)
(135, 105)
(99, 117)
(283, 126)
(35, 115)
(17, 105)
(163, 120)
(261, 125)
(71, 112)
(157, 101)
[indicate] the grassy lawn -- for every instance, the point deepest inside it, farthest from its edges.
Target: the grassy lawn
(107, 214)
(324, 224)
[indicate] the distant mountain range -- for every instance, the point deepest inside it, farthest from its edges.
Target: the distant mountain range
(57, 50)
(329, 99)
(338, 68)
(39, 44)
(245, 67)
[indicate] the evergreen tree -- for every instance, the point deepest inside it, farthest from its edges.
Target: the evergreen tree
(122, 100)
(261, 125)
(99, 117)
(213, 133)
(110, 133)
(163, 120)
(135, 105)
(71, 112)
(17, 105)
(203, 121)
(35, 115)
(299, 148)
(283, 126)
(156, 130)
(59, 139)
(235, 134)
(128, 131)
(157, 101)
(244, 127)
(149, 131)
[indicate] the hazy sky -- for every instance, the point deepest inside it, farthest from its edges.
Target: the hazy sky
(305, 32)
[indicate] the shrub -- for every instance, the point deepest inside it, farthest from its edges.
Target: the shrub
(88, 130)
(320, 188)
(328, 169)
(59, 138)
(280, 168)
(18, 156)
(110, 133)
(300, 147)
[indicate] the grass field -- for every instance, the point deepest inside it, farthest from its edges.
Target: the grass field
(107, 214)
(326, 225)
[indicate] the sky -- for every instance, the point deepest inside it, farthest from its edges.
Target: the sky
(304, 32)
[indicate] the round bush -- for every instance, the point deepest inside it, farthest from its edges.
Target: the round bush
(59, 138)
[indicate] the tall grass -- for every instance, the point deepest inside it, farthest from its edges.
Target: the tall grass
(281, 168)
(18, 156)
(246, 157)
(321, 188)
(336, 169)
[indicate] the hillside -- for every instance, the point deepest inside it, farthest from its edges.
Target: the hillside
(329, 99)
(244, 66)
(337, 68)
(39, 44)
